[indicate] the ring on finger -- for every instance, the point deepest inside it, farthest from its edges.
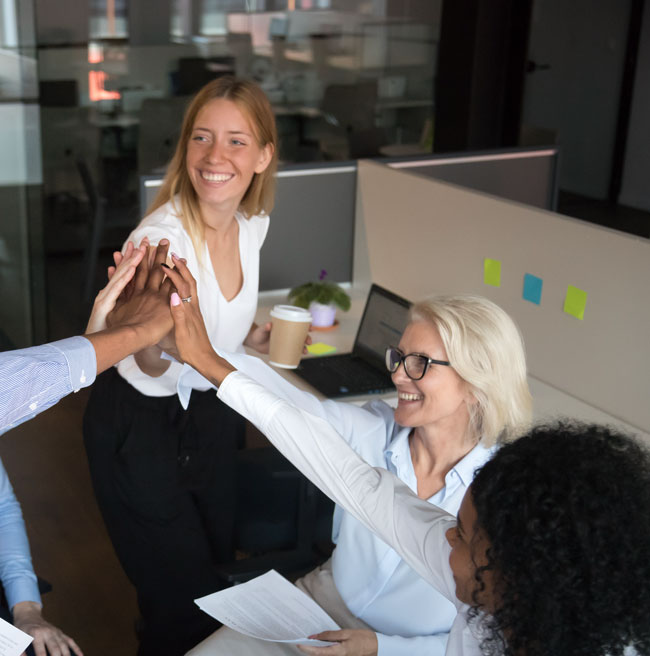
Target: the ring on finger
(187, 299)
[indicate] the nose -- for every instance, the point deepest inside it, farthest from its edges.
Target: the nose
(399, 376)
(215, 152)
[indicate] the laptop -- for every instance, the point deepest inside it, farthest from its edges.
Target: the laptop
(364, 370)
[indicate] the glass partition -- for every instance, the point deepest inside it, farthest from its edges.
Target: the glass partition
(346, 79)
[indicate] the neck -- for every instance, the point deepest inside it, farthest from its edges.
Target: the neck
(433, 453)
(219, 219)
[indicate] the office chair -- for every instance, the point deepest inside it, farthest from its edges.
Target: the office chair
(283, 521)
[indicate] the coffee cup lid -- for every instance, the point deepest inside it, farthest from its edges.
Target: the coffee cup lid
(290, 313)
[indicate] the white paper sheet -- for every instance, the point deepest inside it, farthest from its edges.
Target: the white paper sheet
(269, 608)
(13, 641)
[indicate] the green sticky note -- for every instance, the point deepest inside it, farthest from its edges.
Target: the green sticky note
(492, 272)
(319, 348)
(575, 302)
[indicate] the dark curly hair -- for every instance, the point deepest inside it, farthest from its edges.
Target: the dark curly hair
(566, 509)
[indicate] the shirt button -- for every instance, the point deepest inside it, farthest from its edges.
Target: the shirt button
(82, 380)
(33, 406)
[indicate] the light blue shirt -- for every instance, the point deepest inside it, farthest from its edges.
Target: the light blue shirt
(409, 616)
(16, 571)
(34, 379)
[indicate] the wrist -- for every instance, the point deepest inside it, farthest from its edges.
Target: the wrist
(24, 609)
(214, 368)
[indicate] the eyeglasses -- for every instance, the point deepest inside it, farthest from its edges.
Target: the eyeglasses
(415, 364)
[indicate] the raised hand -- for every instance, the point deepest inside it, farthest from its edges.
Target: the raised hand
(120, 277)
(192, 341)
(145, 306)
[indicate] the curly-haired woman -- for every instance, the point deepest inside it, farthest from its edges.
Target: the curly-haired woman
(549, 555)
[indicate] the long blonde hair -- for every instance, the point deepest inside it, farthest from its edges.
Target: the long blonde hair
(485, 348)
(259, 196)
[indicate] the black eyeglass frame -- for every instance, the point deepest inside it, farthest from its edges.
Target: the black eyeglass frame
(427, 361)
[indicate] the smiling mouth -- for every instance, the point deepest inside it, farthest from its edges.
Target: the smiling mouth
(216, 177)
(403, 396)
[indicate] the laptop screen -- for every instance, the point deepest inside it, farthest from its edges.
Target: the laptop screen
(383, 322)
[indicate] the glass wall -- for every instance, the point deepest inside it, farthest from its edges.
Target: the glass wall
(21, 275)
(347, 79)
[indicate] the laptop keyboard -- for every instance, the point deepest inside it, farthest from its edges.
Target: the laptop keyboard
(340, 376)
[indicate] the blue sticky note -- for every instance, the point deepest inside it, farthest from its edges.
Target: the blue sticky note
(532, 288)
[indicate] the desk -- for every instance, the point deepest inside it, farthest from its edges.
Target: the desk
(548, 401)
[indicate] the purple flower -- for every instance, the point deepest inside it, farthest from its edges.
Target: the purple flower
(322, 275)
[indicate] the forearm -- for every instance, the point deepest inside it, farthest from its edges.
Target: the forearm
(115, 344)
(385, 505)
(16, 570)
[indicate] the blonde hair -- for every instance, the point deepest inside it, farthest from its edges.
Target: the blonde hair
(485, 348)
(259, 196)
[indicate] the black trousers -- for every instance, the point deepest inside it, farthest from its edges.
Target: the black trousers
(164, 479)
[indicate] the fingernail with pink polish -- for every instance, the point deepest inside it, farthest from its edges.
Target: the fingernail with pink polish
(175, 299)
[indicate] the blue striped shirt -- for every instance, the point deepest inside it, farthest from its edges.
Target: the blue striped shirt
(34, 379)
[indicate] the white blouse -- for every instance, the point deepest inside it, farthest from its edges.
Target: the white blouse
(227, 322)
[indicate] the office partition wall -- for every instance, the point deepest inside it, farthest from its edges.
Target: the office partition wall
(441, 243)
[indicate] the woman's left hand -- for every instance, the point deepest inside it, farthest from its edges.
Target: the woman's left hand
(259, 337)
(350, 642)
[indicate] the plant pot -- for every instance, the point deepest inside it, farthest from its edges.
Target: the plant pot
(322, 316)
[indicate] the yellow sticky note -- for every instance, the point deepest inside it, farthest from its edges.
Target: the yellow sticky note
(575, 302)
(319, 348)
(492, 272)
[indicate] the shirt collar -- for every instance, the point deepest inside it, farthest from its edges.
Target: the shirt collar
(466, 467)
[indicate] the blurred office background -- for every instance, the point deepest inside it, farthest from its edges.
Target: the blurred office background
(93, 92)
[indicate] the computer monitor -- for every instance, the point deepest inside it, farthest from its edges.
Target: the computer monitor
(525, 175)
(312, 223)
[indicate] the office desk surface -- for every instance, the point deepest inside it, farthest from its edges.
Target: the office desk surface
(548, 401)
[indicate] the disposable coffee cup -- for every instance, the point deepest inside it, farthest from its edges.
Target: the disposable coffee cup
(290, 328)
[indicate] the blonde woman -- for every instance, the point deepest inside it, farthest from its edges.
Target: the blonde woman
(460, 374)
(163, 482)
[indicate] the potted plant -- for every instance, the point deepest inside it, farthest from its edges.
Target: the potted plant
(322, 299)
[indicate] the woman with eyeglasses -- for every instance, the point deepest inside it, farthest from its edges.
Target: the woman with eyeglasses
(460, 374)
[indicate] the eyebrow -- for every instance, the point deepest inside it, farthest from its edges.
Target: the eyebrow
(247, 134)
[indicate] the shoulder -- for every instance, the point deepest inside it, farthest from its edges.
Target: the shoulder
(256, 225)
(372, 427)
(163, 222)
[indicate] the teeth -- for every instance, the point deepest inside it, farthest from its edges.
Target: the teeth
(410, 397)
(215, 177)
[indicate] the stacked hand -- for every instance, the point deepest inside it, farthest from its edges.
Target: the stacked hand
(142, 304)
(119, 277)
